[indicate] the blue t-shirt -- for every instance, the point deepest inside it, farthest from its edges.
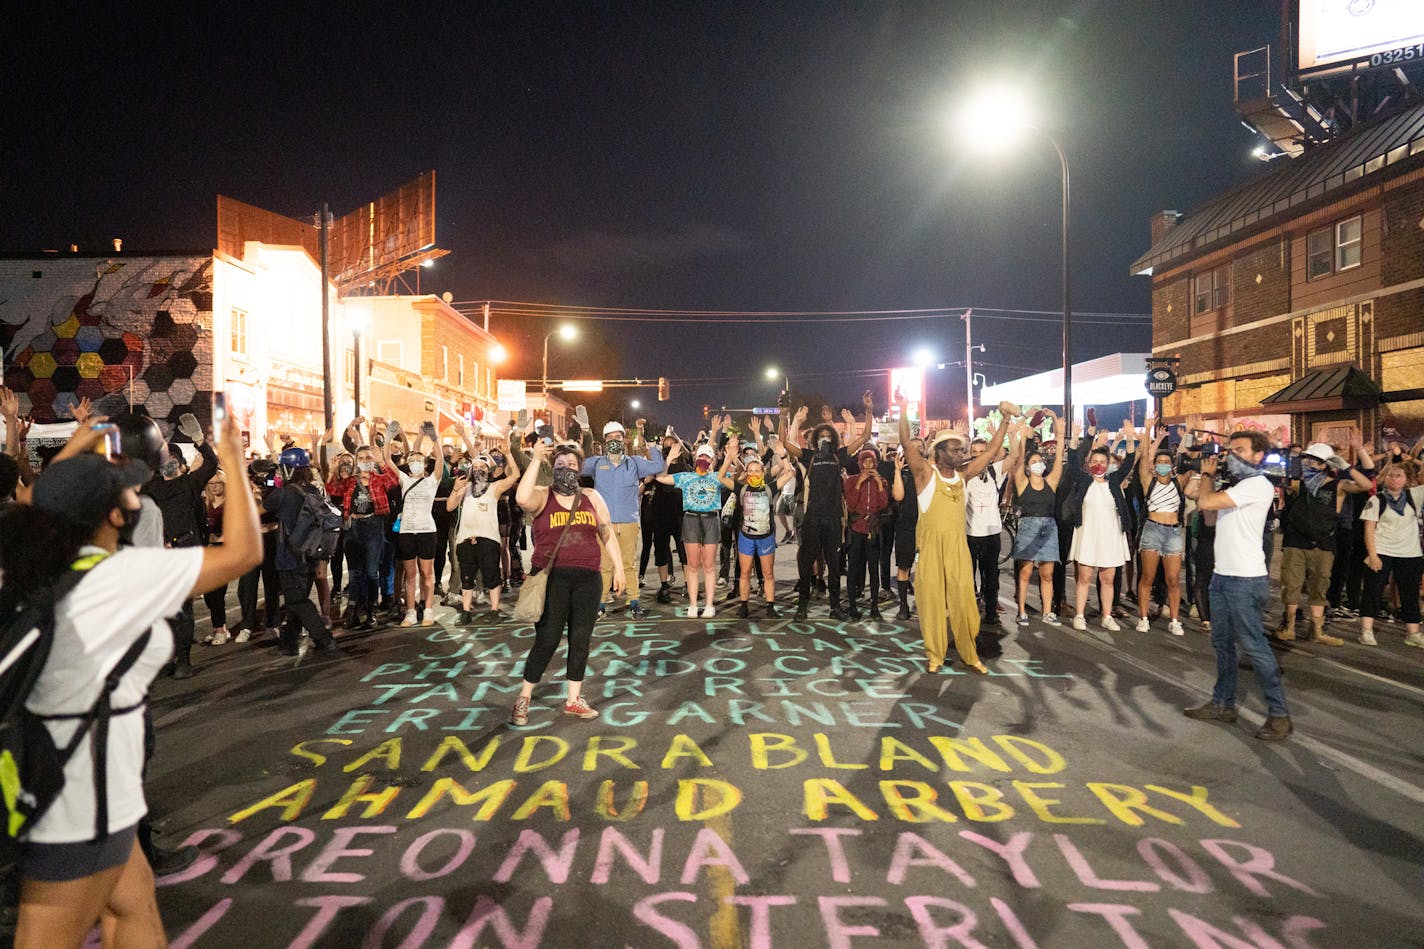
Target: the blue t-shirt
(701, 494)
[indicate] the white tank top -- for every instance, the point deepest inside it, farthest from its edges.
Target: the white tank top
(927, 495)
(479, 517)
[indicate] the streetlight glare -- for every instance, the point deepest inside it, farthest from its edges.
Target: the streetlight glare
(567, 332)
(995, 119)
(924, 358)
(635, 404)
(773, 373)
(498, 354)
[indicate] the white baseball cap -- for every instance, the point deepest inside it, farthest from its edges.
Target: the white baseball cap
(708, 450)
(612, 427)
(1320, 451)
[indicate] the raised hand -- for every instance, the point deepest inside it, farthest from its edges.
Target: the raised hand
(826, 414)
(960, 426)
(754, 423)
(847, 417)
(868, 401)
(9, 403)
(82, 410)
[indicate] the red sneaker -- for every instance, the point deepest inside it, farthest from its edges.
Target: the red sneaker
(580, 708)
(521, 711)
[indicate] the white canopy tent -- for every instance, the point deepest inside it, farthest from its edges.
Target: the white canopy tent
(1107, 380)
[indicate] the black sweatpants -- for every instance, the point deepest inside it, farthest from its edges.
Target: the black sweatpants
(864, 551)
(247, 587)
(820, 538)
(570, 601)
(984, 554)
(1203, 570)
(302, 613)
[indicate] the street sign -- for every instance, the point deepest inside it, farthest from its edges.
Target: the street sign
(511, 396)
(763, 410)
(582, 385)
(1161, 382)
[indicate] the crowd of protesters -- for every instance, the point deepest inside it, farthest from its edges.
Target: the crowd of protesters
(1175, 520)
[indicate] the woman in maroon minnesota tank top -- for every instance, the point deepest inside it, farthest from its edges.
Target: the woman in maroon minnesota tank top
(571, 535)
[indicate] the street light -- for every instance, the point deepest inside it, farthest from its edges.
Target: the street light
(996, 119)
(635, 405)
(773, 373)
(566, 333)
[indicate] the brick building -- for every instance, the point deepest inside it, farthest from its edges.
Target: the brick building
(1298, 298)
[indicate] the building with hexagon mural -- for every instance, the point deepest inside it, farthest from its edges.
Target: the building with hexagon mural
(115, 330)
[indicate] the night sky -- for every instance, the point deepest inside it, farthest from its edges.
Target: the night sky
(787, 156)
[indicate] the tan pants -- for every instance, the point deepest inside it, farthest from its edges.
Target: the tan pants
(628, 536)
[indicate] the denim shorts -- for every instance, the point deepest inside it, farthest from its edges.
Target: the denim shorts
(756, 546)
(1167, 539)
(56, 863)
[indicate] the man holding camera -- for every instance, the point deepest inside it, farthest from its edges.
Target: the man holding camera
(1310, 522)
(1238, 588)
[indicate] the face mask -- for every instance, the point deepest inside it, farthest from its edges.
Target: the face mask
(1037, 468)
(1313, 480)
(478, 485)
(397, 459)
(126, 532)
(566, 481)
(169, 469)
(417, 464)
(823, 445)
(703, 465)
(1112, 468)
(756, 481)
(1097, 469)
(497, 458)
(1240, 470)
(1162, 470)
(344, 471)
(366, 466)
(614, 446)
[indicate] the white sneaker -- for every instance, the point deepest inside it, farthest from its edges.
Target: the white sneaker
(1144, 625)
(243, 635)
(409, 618)
(219, 638)
(1110, 623)
(1079, 622)
(708, 611)
(721, 581)
(1175, 628)
(691, 611)
(1367, 638)
(429, 618)
(1052, 619)
(1415, 639)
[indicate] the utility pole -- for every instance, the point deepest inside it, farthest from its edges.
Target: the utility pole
(969, 368)
(326, 409)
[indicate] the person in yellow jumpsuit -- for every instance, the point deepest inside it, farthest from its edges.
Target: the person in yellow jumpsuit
(944, 580)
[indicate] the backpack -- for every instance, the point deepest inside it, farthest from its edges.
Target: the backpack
(316, 530)
(31, 764)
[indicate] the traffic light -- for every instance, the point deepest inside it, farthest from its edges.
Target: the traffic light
(706, 412)
(664, 390)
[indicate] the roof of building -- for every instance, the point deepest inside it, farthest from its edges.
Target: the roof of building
(1321, 174)
(1334, 383)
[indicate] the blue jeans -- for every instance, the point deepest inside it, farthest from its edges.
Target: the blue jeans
(1236, 619)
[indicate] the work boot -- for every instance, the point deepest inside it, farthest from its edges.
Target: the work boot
(744, 610)
(836, 611)
(1213, 713)
(664, 593)
(771, 611)
(874, 613)
(904, 612)
(1277, 728)
(800, 609)
(1322, 639)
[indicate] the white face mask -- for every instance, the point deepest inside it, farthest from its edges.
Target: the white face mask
(1037, 468)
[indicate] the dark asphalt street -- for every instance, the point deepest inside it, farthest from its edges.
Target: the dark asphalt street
(772, 783)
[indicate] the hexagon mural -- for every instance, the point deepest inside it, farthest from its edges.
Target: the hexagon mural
(88, 332)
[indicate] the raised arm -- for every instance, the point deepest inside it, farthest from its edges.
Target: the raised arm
(977, 466)
(869, 402)
(1055, 477)
(241, 549)
(511, 469)
(919, 466)
(529, 495)
(791, 437)
(1144, 459)
(733, 447)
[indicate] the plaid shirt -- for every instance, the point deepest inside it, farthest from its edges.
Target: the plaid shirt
(382, 480)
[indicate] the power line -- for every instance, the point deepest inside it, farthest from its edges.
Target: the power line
(773, 317)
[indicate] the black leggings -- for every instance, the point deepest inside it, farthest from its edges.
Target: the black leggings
(666, 532)
(1203, 570)
(216, 602)
(820, 540)
(1406, 572)
(864, 551)
(247, 587)
(570, 600)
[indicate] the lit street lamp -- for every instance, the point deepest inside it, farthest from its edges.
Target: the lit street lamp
(567, 333)
(995, 120)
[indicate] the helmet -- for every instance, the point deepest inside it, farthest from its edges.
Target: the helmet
(140, 440)
(613, 428)
(294, 457)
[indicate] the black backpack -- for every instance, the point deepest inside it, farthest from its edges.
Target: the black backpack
(31, 764)
(316, 530)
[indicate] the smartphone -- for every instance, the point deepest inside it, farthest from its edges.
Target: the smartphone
(546, 433)
(1092, 417)
(219, 414)
(111, 444)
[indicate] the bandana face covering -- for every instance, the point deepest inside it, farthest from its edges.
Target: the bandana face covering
(566, 481)
(1240, 470)
(1097, 470)
(614, 446)
(703, 465)
(756, 481)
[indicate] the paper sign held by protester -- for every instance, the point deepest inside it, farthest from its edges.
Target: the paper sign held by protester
(511, 395)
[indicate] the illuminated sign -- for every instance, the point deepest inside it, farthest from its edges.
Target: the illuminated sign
(1380, 33)
(908, 383)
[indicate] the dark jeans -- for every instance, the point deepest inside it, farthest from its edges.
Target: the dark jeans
(216, 602)
(1236, 608)
(1347, 573)
(864, 552)
(1060, 569)
(338, 562)
(570, 600)
(1406, 572)
(887, 551)
(1204, 569)
(984, 554)
(443, 518)
(302, 613)
(247, 587)
(364, 544)
(820, 540)
(182, 626)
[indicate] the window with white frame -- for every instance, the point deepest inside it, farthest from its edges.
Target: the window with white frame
(238, 319)
(1211, 290)
(1335, 248)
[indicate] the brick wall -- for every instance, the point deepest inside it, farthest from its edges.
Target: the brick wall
(1399, 314)
(1403, 240)
(1171, 312)
(1260, 282)
(77, 326)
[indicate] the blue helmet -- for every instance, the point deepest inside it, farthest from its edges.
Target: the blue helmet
(295, 457)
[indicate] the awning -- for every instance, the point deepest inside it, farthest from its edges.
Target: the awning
(1343, 388)
(1107, 380)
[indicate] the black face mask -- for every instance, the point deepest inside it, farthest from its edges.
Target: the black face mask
(566, 481)
(823, 446)
(126, 532)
